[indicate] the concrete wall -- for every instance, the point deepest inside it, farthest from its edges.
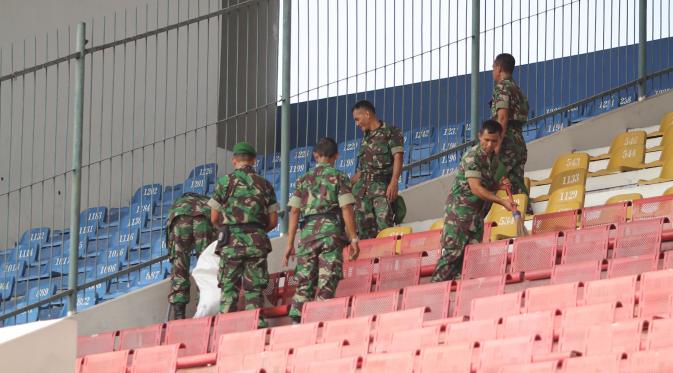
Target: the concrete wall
(45, 346)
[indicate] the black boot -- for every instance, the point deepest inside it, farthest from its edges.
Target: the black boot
(179, 311)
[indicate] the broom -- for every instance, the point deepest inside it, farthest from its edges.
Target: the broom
(521, 230)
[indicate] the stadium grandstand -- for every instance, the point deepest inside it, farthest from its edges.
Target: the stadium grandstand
(104, 125)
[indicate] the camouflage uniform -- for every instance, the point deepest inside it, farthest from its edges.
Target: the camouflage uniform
(464, 214)
(513, 151)
(323, 190)
(188, 228)
(373, 213)
(246, 210)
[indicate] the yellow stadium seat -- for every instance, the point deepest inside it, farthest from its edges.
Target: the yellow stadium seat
(438, 224)
(666, 148)
(627, 138)
(666, 170)
(563, 163)
(623, 198)
(505, 226)
(564, 180)
(666, 141)
(668, 191)
(399, 230)
(665, 122)
(627, 154)
(564, 199)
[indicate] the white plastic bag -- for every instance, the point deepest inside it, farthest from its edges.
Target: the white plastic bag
(205, 275)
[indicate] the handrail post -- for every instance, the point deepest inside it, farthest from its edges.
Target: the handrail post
(285, 114)
(642, 49)
(474, 80)
(75, 196)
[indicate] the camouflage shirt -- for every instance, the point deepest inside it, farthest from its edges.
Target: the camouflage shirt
(508, 95)
(319, 191)
(377, 149)
(190, 204)
(475, 164)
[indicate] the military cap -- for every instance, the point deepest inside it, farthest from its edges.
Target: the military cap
(244, 148)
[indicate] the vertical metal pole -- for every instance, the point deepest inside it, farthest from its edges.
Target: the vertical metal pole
(474, 103)
(285, 113)
(642, 46)
(78, 115)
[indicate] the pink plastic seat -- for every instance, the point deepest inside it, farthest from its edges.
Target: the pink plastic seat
(433, 296)
(354, 285)
(325, 310)
(456, 357)
(148, 336)
(374, 303)
(389, 323)
(542, 367)
(655, 290)
(604, 215)
(233, 322)
(551, 297)
(415, 339)
(638, 238)
(495, 307)
(587, 244)
(526, 324)
(420, 242)
(357, 331)
(658, 360)
(632, 265)
(292, 336)
(359, 267)
(623, 336)
(576, 272)
(156, 359)
(471, 331)
(555, 222)
(620, 289)
(78, 365)
(653, 208)
(96, 344)
(304, 356)
(377, 247)
(241, 343)
(268, 361)
(576, 321)
(468, 290)
(598, 364)
(396, 272)
(496, 353)
(399, 362)
(107, 362)
(343, 365)
(192, 333)
(535, 255)
(485, 259)
(668, 259)
(659, 334)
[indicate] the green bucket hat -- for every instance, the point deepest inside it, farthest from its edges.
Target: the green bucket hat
(244, 148)
(399, 209)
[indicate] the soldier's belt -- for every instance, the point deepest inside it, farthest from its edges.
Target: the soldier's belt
(383, 178)
(332, 215)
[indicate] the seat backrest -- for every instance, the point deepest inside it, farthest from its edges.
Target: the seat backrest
(208, 170)
(433, 296)
(193, 333)
(377, 247)
(618, 337)
(345, 365)
(291, 336)
(391, 322)
(533, 323)
(569, 161)
(155, 359)
(495, 307)
(653, 208)
(305, 355)
(551, 297)
(666, 122)
(654, 360)
(468, 290)
(568, 178)
(655, 290)
(638, 238)
(614, 213)
(586, 244)
(505, 225)
(565, 199)
(35, 236)
(354, 285)
(7, 287)
(420, 241)
(325, 310)
(455, 357)
(147, 336)
(620, 289)
(241, 343)
(541, 367)
(357, 331)
(415, 339)
(471, 331)
(632, 265)
(496, 353)
(485, 259)
(374, 303)
(400, 230)
(599, 363)
(107, 362)
(359, 267)
(534, 253)
(96, 344)
(396, 272)
(659, 334)
(625, 197)
(437, 225)
(149, 193)
(393, 362)
(233, 322)
(555, 222)
(267, 361)
(628, 157)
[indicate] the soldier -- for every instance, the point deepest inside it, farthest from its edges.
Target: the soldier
(378, 171)
(509, 107)
(244, 209)
(324, 200)
(188, 228)
(474, 184)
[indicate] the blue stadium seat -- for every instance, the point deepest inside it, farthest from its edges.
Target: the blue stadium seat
(28, 252)
(100, 289)
(115, 215)
(133, 221)
(348, 156)
(7, 287)
(147, 237)
(302, 155)
(447, 164)
(93, 214)
(15, 268)
(153, 274)
(58, 235)
(273, 175)
(42, 291)
(60, 264)
(117, 254)
(260, 162)
(104, 269)
(421, 146)
(23, 318)
(35, 236)
(147, 193)
(552, 125)
(208, 171)
(126, 238)
(121, 285)
(272, 161)
(8, 255)
(37, 271)
(196, 185)
(530, 132)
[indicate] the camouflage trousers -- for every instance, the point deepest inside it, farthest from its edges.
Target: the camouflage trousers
(318, 271)
(243, 268)
(373, 212)
(513, 155)
(463, 224)
(186, 234)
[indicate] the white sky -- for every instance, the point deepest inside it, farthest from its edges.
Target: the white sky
(347, 46)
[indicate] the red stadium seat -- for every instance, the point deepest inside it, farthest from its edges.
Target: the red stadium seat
(632, 265)
(78, 365)
(638, 238)
(291, 336)
(343, 365)
(396, 272)
(600, 363)
(551, 297)
(354, 285)
(604, 215)
(575, 322)
(496, 306)
(535, 255)
(389, 323)
(107, 362)
(192, 333)
(655, 290)
(433, 296)
(96, 344)
(359, 267)
(357, 331)
(415, 339)
(376, 247)
(542, 367)
(399, 362)
(455, 357)
(233, 322)
(555, 222)
(374, 303)
(534, 323)
(485, 259)
(658, 360)
(668, 259)
(587, 244)
(156, 359)
(653, 208)
(496, 353)
(268, 361)
(325, 310)
(148, 336)
(620, 289)
(304, 356)
(468, 290)
(659, 334)
(241, 343)
(471, 331)
(623, 336)
(420, 242)
(576, 272)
